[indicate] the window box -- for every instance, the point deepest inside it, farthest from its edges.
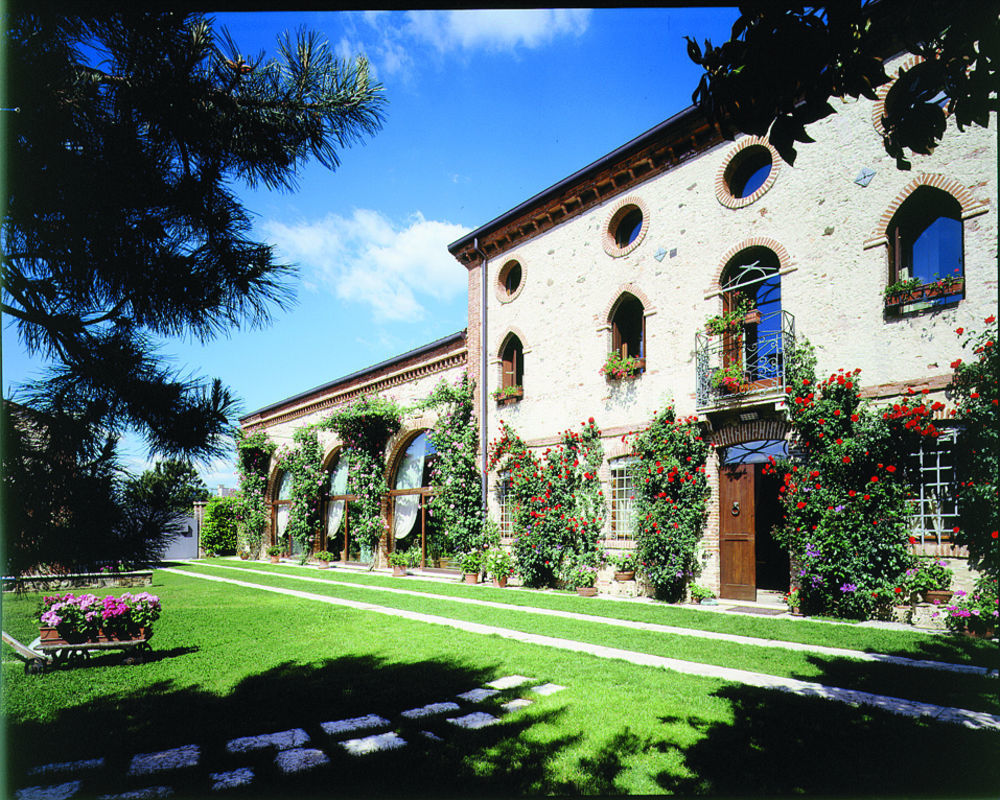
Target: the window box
(925, 292)
(508, 395)
(620, 368)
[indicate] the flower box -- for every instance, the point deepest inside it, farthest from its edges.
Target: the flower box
(512, 394)
(53, 637)
(929, 291)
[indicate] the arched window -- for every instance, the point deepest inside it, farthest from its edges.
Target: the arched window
(925, 243)
(512, 365)
(279, 512)
(338, 539)
(628, 327)
(410, 493)
(751, 293)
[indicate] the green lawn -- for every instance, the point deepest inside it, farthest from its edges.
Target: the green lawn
(233, 662)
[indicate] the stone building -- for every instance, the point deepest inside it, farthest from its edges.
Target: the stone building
(634, 252)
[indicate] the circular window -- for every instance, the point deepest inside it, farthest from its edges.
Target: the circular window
(510, 280)
(747, 173)
(626, 227)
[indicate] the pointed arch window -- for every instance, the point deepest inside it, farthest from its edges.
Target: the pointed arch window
(511, 370)
(926, 259)
(628, 339)
(751, 296)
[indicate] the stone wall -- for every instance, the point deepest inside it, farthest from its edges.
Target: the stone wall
(82, 580)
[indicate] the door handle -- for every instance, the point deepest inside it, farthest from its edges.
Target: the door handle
(735, 511)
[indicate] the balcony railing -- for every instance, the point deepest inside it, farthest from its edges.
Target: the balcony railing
(745, 363)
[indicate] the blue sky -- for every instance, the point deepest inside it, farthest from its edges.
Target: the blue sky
(485, 109)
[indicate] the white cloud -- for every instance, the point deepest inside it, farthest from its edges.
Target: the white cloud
(370, 260)
(496, 29)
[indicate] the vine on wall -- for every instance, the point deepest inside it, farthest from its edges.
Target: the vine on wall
(671, 500)
(253, 461)
(457, 505)
(365, 427)
(559, 507)
(304, 462)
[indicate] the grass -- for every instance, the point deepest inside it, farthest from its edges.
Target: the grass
(233, 662)
(963, 691)
(911, 644)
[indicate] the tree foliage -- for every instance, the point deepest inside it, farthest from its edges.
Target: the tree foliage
(180, 482)
(253, 462)
(219, 526)
(122, 225)
(783, 64)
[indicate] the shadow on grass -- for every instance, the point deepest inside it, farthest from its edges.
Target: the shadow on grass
(496, 760)
(782, 745)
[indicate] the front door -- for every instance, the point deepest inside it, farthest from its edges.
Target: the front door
(737, 529)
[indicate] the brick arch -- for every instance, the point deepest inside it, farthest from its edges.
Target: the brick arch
(757, 430)
(632, 289)
(398, 443)
(971, 207)
(878, 111)
(335, 450)
(271, 493)
(785, 262)
(618, 449)
(722, 193)
(513, 330)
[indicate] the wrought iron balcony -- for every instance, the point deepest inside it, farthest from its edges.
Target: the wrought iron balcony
(745, 363)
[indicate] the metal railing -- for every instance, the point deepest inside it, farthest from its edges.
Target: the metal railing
(743, 363)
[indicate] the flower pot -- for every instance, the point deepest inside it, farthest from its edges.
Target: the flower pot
(472, 577)
(937, 596)
(795, 611)
(245, 556)
(323, 565)
(625, 575)
(586, 591)
(398, 571)
(275, 559)
(500, 582)
(752, 318)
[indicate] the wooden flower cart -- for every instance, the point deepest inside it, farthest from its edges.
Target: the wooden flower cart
(134, 644)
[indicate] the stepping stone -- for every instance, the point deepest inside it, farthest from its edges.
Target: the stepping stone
(179, 757)
(547, 689)
(231, 780)
(373, 744)
(429, 710)
(149, 793)
(432, 736)
(509, 682)
(300, 760)
(67, 766)
(514, 705)
(58, 792)
(477, 695)
(354, 724)
(282, 740)
(474, 721)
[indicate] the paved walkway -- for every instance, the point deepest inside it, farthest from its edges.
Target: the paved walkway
(836, 652)
(970, 719)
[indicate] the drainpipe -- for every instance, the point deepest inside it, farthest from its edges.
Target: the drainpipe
(482, 368)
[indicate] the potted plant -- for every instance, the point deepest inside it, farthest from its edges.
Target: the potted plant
(471, 563)
(928, 581)
(275, 553)
(728, 379)
(324, 557)
(499, 565)
(903, 291)
(975, 613)
(399, 560)
(618, 367)
(732, 320)
(583, 578)
(508, 394)
(624, 564)
(794, 601)
(699, 594)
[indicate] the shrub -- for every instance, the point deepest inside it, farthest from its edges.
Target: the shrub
(219, 525)
(975, 611)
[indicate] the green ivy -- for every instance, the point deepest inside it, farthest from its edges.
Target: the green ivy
(456, 508)
(365, 427)
(253, 461)
(559, 507)
(305, 464)
(671, 496)
(976, 392)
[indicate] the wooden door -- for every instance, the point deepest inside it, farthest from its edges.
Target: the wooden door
(737, 527)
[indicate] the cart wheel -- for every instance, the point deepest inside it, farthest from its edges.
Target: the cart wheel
(35, 666)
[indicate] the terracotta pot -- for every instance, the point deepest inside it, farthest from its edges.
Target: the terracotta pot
(323, 565)
(625, 575)
(472, 577)
(937, 596)
(398, 572)
(586, 591)
(275, 559)
(752, 318)
(49, 635)
(245, 555)
(500, 582)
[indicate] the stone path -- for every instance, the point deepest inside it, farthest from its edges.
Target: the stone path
(836, 652)
(970, 719)
(294, 751)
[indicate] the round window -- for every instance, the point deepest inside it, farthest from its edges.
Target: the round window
(628, 227)
(509, 281)
(749, 171)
